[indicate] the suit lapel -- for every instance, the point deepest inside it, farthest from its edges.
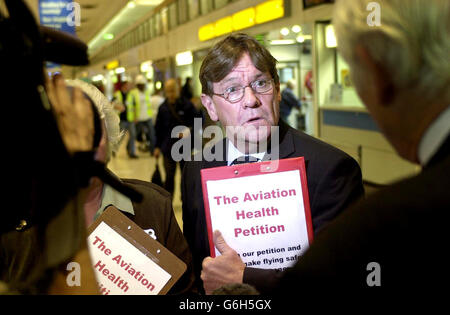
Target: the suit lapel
(285, 146)
(217, 163)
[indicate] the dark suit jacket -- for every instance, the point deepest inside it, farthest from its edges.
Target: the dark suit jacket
(403, 228)
(155, 212)
(166, 121)
(334, 182)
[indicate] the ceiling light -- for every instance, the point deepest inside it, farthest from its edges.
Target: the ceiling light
(284, 31)
(131, 4)
(330, 37)
(97, 78)
(146, 66)
(148, 2)
(296, 28)
(108, 36)
(282, 42)
(302, 38)
(119, 70)
(184, 58)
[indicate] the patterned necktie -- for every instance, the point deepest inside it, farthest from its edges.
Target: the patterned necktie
(244, 159)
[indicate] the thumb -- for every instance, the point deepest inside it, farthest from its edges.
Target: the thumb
(220, 243)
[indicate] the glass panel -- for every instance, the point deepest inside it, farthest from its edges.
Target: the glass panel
(182, 11)
(206, 6)
(193, 6)
(173, 16)
(152, 27)
(157, 25)
(220, 3)
(140, 31)
(165, 20)
(147, 30)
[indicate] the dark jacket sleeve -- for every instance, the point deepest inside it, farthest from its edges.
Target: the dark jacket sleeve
(290, 99)
(339, 186)
(155, 211)
(162, 125)
(179, 247)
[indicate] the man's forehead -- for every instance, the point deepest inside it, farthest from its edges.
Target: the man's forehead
(243, 68)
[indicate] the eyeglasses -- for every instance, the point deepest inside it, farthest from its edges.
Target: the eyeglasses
(234, 94)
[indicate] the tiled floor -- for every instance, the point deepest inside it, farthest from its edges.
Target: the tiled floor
(143, 169)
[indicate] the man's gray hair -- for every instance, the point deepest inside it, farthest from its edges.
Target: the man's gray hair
(106, 112)
(412, 40)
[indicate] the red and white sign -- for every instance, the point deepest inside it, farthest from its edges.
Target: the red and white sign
(120, 267)
(264, 215)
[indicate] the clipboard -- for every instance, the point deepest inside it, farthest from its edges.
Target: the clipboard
(151, 248)
(240, 171)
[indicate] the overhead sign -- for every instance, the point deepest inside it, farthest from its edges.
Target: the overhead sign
(62, 15)
(262, 13)
(112, 65)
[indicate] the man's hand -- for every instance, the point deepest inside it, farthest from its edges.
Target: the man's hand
(156, 153)
(74, 115)
(224, 269)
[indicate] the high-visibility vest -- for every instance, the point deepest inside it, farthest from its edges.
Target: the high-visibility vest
(118, 96)
(133, 104)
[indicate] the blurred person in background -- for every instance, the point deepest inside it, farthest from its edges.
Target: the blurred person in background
(153, 214)
(290, 106)
(157, 99)
(119, 99)
(175, 111)
(139, 111)
(186, 90)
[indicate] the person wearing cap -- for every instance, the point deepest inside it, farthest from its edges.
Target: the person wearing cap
(139, 110)
(119, 99)
(154, 214)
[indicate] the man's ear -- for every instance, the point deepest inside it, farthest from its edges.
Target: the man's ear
(277, 91)
(210, 107)
(384, 87)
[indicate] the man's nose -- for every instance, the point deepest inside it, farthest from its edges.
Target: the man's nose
(250, 98)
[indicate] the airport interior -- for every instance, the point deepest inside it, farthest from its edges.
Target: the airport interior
(169, 39)
(156, 40)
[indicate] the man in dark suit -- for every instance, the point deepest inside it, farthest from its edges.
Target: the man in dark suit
(175, 111)
(396, 238)
(334, 179)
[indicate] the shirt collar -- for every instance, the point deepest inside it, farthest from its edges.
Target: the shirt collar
(111, 197)
(434, 136)
(233, 153)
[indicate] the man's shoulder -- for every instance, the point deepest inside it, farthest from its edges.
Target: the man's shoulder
(151, 192)
(314, 147)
